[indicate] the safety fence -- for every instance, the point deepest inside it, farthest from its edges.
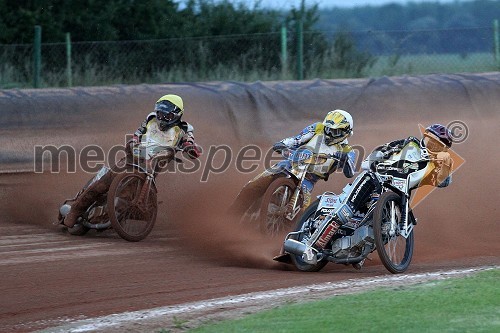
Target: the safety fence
(283, 55)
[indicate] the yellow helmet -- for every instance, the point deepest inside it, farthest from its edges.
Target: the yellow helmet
(169, 110)
(338, 126)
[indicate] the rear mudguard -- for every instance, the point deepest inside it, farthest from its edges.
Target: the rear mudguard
(253, 191)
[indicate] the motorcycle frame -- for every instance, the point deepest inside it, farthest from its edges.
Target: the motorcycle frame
(150, 179)
(405, 227)
(301, 175)
(298, 191)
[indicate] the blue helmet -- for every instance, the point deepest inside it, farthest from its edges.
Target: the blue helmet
(437, 138)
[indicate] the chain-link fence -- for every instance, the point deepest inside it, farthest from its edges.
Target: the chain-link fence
(269, 56)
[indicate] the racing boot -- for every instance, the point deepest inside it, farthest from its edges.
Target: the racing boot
(85, 199)
(79, 206)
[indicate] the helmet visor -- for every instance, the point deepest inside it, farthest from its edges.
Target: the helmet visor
(167, 112)
(334, 132)
(434, 145)
(166, 106)
(166, 116)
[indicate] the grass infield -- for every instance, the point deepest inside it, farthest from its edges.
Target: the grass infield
(468, 304)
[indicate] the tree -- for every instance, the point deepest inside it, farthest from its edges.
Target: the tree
(347, 57)
(315, 43)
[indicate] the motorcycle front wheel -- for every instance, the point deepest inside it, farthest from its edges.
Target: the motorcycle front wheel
(132, 213)
(297, 260)
(274, 204)
(394, 250)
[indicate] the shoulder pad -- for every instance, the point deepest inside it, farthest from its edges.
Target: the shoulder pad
(317, 127)
(308, 129)
(414, 139)
(186, 127)
(150, 116)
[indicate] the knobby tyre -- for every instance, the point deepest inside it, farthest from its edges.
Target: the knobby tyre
(300, 264)
(272, 220)
(394, 250)
(132, 220)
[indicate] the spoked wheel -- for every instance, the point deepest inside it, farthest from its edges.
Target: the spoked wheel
(251, 215)
(394, 250)
(132, 213)
(273, 209)
(297, 260)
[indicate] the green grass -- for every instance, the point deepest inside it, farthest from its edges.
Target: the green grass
(437, 63)
(470, 304)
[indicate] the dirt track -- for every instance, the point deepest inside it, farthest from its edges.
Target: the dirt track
(48, 277)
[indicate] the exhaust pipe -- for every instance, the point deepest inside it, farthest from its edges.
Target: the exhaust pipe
(308, 254)
(294, 247)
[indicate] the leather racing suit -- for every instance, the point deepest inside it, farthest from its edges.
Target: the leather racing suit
(313, 137)
(179, 134)
(429, 169)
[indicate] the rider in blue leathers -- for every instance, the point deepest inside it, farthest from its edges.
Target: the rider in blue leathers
(328, 137)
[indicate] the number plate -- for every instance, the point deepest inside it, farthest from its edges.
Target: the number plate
(328, 201)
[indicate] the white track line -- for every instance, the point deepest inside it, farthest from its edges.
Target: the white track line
(107, 322)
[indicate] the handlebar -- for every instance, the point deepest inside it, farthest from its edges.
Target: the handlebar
(308, 157)
(287, 152)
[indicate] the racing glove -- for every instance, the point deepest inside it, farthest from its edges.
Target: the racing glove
(129, 146)
(279, 147)
(444, 164)
(191, 149)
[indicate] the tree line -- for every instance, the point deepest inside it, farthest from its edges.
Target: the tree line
(199, 35)
(113, 20)
(426, 27)
(118, 20)
(191, 32)
(411, 16)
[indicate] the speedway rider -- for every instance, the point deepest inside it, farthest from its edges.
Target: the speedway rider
(433, 167)
(327, 137)
(165, 121)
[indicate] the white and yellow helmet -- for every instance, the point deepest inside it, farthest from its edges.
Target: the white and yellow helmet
(338, 126)
(169, 110)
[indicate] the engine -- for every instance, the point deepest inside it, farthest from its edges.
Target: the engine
(352, 246)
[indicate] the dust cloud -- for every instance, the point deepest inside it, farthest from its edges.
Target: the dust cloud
(457, 221)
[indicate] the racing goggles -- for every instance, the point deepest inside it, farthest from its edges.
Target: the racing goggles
(334, 132)
(434, 145)
(166, 111)
(166, 116)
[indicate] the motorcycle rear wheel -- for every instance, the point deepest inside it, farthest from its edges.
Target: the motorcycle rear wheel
(273, 207)
(394, 250)
(300, 264)
(131, 220)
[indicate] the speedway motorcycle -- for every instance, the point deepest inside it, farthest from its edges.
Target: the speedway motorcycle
(276, 207)
(385, 225)
(130, 205)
